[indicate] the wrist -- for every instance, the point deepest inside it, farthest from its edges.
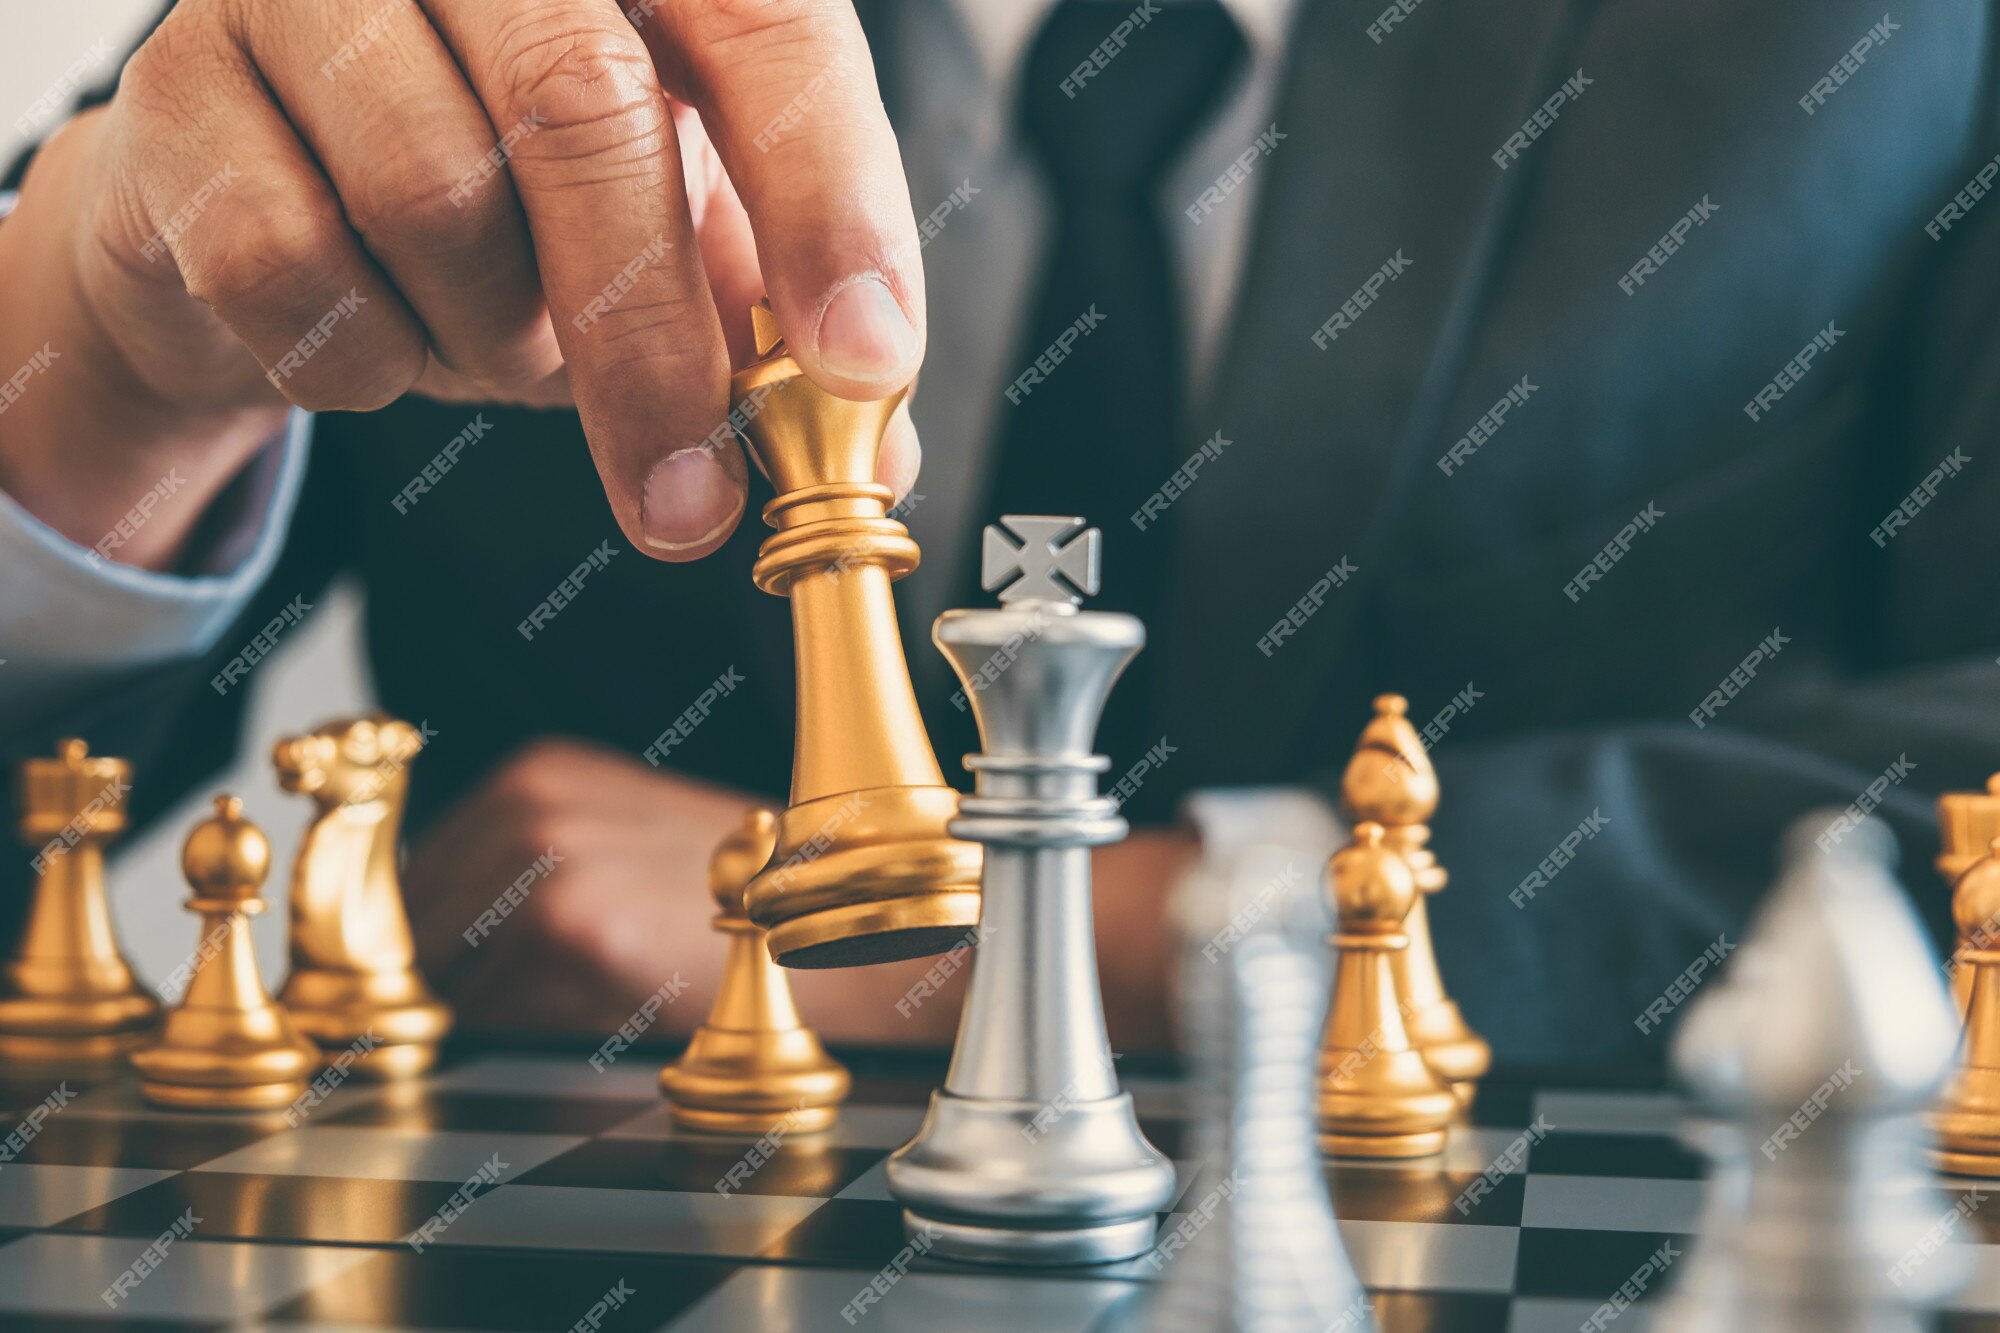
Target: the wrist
(83, 436)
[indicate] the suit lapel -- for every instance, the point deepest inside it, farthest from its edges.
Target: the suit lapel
(1368, 236)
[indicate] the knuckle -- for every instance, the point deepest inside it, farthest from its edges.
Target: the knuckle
(412, 205)
(271, 260)
(572, 71)
(385, 376)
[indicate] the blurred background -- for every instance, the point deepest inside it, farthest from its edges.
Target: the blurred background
(316, 674)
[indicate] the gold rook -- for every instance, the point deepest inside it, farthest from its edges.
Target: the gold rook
(66, 993)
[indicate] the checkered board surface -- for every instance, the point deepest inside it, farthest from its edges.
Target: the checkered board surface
(304, 1228)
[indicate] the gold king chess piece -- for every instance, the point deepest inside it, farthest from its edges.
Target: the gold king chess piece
(354, 983)
(1966, 1121)
(66, 993)
(1967, 822)
(1390, 781)
(863, 871)
(228, 1046)
(752, 1066)
(1378, 1096)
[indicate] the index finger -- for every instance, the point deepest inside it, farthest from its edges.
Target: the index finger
(787, 92)
(585, 132)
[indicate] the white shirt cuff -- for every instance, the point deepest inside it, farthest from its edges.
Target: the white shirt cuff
(70, 618)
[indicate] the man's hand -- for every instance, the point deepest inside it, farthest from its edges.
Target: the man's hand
(331, 203)
(611, 858)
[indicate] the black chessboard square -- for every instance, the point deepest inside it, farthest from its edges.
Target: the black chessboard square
(1502, 1105)
(495, 1290)
(893, 1089)
(1171, 1136)
(862, 1234)
(161, 1145)
(1968, 1323)
(241, 1206)
(1591, 1265)
(1417, 1194)
(433, 1109)
(69, 1323)
(1648, 1156)
(798, 1167)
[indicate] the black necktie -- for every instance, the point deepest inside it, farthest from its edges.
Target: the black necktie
(1106, 112)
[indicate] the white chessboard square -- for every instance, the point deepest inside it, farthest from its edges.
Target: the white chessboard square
(1431, 1256)
(1612, 1203)
(793, 1300)
(382, 1153)
(566, 1217)
(1552, 1315)
(32, 1195)
(47, 1274)
(1981, 1294)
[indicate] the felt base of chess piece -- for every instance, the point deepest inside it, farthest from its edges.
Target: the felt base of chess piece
(1378, 1095)
(751, 1067)
(228, 1045)
(66, 993)
(354, 985)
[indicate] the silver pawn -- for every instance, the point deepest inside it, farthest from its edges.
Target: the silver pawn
(1030, 1152)
(1813, 1059)
(1262, 1252)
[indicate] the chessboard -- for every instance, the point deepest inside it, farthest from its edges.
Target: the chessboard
(515, 1190)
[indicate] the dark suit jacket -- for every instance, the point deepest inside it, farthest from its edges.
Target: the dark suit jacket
(1639, 400)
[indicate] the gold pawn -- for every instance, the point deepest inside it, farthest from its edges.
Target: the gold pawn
(1966, 1120)
(864, 871)
(354, 983)
(1967, 822)
(66, 993)
(1378, 1096)
(1390, 781)
(227, 1046)
(752, 1066)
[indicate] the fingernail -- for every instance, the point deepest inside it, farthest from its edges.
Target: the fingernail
(689, 498)
(864, 334)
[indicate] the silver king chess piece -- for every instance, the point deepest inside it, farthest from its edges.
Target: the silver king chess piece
(1030, 1152)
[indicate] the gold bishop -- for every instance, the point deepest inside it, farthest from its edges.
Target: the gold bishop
(1390, 781)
